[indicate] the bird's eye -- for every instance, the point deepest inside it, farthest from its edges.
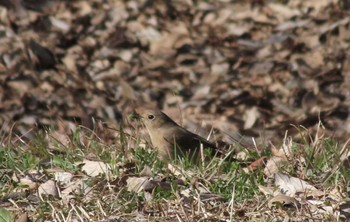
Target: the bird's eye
(150, 117)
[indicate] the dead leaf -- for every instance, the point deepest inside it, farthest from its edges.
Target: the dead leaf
(291, 185)
(250, 117)
(257, 163)
(273, 165)
(48, 188)
(63, 177)
(283, 200)
(137, 184)
(95, 168)
(23, 217)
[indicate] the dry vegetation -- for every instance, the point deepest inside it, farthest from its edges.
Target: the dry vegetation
(71, 73)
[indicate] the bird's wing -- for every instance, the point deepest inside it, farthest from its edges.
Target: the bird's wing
(189, 140)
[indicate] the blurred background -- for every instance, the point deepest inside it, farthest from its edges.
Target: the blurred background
(256, 67)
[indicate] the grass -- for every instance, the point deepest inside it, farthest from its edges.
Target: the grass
(215, 190)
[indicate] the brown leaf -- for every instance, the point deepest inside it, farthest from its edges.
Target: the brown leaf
(257, 163)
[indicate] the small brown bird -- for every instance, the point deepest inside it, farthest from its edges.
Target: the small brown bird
(170, 139)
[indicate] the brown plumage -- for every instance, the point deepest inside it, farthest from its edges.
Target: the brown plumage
(170, 139)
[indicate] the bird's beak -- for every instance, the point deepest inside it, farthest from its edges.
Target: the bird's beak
(135, 115)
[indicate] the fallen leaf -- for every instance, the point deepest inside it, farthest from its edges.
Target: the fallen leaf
(273, 165)
(283, 200)
(257, 163)
(137, 184)
(63, 177)
(250, 117)
(48, 188)
(95, 168)
(291, 185)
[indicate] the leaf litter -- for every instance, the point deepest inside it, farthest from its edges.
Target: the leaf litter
(245, 66)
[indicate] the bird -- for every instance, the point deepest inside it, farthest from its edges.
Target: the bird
(170, 139)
